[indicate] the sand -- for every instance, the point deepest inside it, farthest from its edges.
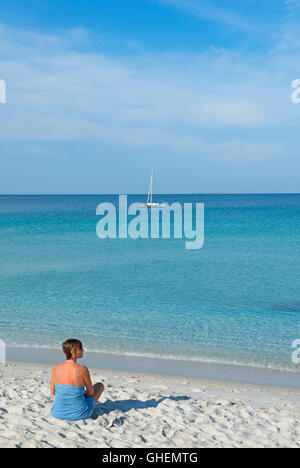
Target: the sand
(147, 410)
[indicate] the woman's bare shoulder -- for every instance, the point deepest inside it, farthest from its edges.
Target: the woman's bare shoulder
(84, 372)
(54, 370)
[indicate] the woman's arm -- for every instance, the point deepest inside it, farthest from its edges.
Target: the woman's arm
(53, 380)
(87, 381)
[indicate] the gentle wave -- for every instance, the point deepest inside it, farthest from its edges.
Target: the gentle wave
(253, 365)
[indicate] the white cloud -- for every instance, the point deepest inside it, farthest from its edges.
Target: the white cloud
(172, 101)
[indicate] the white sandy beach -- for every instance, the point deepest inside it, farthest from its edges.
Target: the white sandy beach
(146, 410)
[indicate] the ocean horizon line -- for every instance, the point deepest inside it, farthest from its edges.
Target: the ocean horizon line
(140, 194)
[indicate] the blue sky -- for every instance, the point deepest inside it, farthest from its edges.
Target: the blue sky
(98, 91)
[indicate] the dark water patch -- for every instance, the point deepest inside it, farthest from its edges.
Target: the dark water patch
(286, 307)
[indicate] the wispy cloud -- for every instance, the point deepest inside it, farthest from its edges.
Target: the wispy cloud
(293, 7)
(223, 13)
(208, 103)
(208, 10)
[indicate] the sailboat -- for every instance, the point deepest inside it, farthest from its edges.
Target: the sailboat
(150, 203)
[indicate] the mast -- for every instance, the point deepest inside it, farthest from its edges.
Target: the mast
(149, 199)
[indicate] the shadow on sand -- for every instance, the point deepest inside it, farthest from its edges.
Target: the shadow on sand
(126, 405)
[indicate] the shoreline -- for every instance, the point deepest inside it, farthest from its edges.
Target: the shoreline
(164, 367)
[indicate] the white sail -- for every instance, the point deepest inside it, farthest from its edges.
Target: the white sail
(150, 203)
(149, 199)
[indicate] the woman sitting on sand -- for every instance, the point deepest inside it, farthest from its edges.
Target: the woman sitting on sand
(68, 384)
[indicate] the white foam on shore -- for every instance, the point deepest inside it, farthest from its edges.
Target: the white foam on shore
(172, 357)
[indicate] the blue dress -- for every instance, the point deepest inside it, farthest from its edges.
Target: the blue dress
(70, 402)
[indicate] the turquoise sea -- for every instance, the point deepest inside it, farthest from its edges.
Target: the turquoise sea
(236, 300)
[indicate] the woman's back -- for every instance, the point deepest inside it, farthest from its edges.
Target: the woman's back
(70, 401)
(66, 373)
(67, 384)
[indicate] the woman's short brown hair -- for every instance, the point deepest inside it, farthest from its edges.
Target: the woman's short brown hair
(71, 345)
